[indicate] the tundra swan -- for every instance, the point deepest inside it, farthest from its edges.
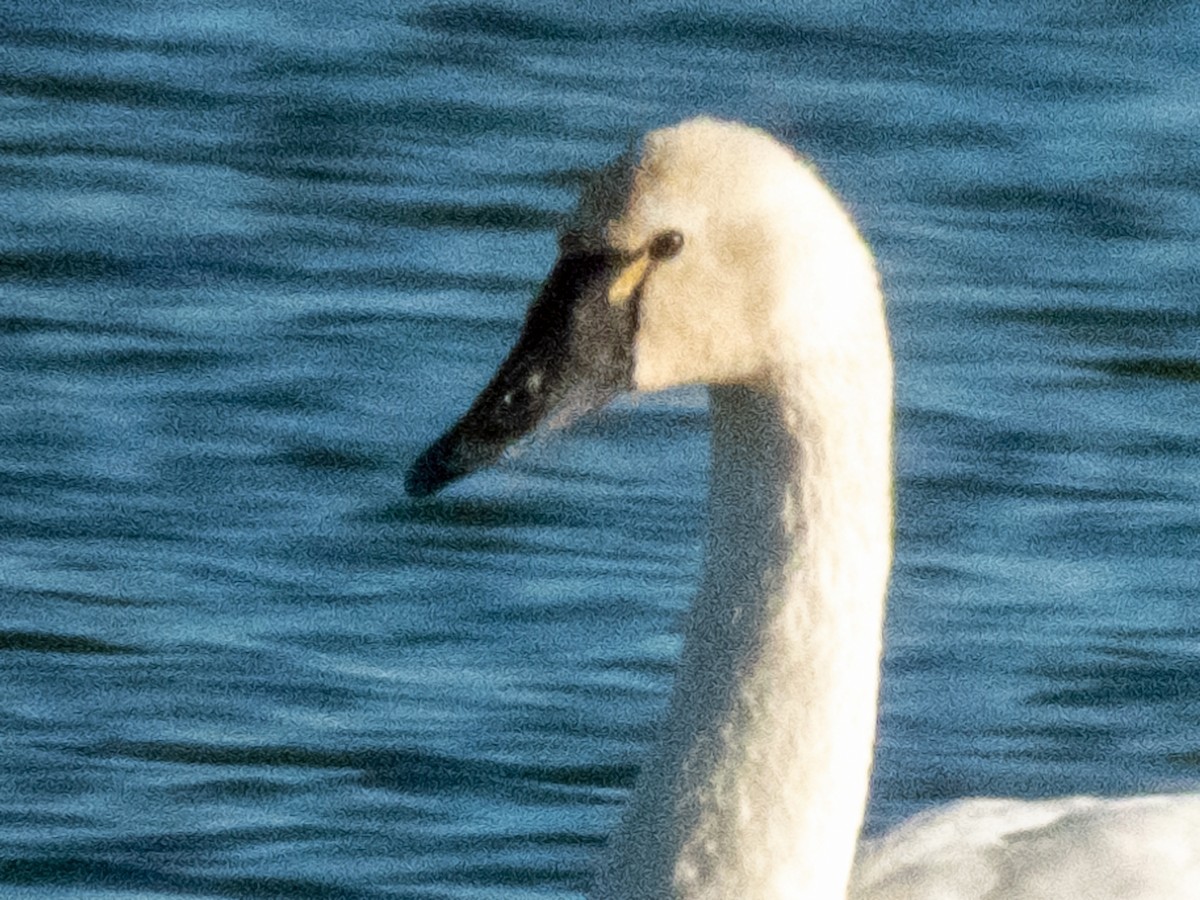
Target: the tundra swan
(711, 254)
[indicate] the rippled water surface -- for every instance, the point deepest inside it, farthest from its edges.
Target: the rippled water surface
(253, 257)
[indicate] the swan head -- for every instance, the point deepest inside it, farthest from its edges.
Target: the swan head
(708, 254)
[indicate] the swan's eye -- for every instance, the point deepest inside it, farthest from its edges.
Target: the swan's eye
(666, 245)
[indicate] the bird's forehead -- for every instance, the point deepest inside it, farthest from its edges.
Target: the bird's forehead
(680, 179)
(640, 195)
(604, 198)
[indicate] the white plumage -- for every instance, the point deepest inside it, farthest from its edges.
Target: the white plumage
(1075, 848)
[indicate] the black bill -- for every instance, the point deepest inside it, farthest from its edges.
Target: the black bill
(575, 353)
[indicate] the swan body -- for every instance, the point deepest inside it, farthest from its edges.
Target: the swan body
(712, 254)
(1073, 848)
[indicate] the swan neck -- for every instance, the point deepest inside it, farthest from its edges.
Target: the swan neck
(760, 783)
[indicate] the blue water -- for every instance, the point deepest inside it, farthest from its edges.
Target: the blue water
(254, 256)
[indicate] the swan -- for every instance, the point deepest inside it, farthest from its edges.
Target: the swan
(711, 254)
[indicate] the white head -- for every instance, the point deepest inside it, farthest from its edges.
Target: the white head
(708, 254)
(763, 240)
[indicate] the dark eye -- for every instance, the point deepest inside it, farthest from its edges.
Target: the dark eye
(666, 245)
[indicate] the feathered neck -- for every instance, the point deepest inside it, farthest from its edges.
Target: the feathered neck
(759, 785)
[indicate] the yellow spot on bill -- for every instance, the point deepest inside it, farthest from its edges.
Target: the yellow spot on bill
(627, 282)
